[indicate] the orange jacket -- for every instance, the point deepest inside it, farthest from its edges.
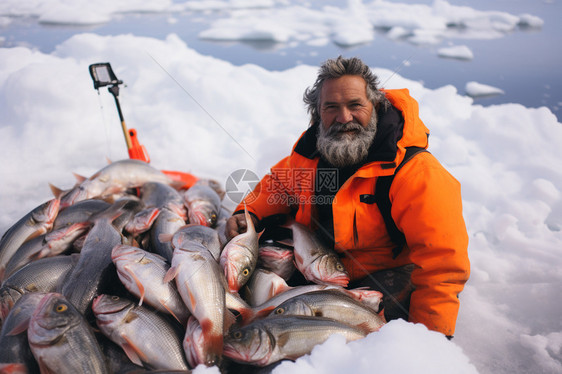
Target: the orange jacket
(426, 207)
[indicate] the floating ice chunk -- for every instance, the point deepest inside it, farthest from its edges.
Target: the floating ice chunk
(459, 52)
(351, 35)
(475, 89)
(529, 21)
(398, 32)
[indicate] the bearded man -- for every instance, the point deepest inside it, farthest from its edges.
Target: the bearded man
(358, 135)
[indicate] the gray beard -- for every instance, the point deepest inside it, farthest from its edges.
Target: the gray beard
(346, 149)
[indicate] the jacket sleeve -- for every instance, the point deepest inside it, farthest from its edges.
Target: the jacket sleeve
(272, 195)
(427, 208)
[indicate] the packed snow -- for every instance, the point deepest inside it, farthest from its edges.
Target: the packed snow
(203, 115)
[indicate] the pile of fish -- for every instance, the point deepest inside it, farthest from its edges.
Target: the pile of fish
(130, 271)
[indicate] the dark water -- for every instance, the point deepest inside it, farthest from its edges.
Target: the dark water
(525, 63)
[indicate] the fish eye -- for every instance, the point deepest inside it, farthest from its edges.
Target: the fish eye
(236, 334)
(279, 311)
(61, 308)
(246, 272)
(114, 298)
(213, 218)
(339, 267)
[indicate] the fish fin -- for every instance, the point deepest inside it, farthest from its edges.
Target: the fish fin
(213, 343)
(287, 241)
(109, 162)
(138, 283)
(170, 274)
(192, 299)
(165, 238)
(133, 353)
(43, 368)
(79, 178)
(55, 190)
(264, 312)
(20, 327)
(163, 303)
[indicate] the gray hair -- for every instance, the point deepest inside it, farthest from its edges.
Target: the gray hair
(335, 68)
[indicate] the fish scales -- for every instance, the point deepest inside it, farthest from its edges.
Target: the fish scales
(43, 275)
(146, 336)
(95, 269)
(271, 339)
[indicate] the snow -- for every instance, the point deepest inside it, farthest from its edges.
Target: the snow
(203, 115)
(476, 89)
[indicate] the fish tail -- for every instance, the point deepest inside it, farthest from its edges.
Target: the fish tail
(213, 343)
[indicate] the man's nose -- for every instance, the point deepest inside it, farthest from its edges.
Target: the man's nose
(344, 115)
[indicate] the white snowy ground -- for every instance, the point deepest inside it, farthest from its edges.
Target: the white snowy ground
(203, 115)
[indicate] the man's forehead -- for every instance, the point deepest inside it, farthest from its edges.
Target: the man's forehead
(347, 87)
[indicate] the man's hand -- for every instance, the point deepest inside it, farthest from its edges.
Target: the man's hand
(237, 225)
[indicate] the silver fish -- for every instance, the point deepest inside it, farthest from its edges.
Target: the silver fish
(35, 223)
(43, 275)
(240, 256)
(204, 235)
(61, 340)
(163, 196)
(47, 245)
(142, 273)
(335, 305)
(202, 286)
(167, 224)
(193, 342)
(263, 285)
(314, 260)
(203, 205)
(147, 337)
(115, 178)
(79, 212)
(271, 339)
(13, 336)
(94, 272)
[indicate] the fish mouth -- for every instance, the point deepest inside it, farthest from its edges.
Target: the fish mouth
(231, 273)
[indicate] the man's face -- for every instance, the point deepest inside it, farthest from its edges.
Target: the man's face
(348, 123)
(344, 100)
